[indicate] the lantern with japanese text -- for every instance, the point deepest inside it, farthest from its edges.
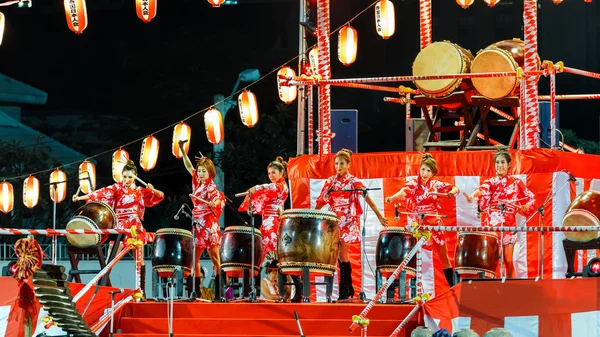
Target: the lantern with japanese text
(1, 26)
(464, 3)
(6, 197)
(213, 122)
(491, 3)
(181, 132)
(287, 93)
(248, 108)
(313, 59)
(76, 14)
(347, 45)
(58, 186)
(31, 191)
(119, 159)
(149, 153)
(385, 18)
(87, 177)
(146, 9)
(216, 3)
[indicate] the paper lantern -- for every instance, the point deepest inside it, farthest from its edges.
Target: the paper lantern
(491, 3)
(213, 122)
(58, 186)
(119, 159)
(146, 9)
(76, 14)
(7, 197)
(31, 191)
(287, 93)
(2, 20)
(248, 108)
(313, 59)
(464, 3)
(216, 3)
(182, 132)
(347, 45)
(149, 153)
(87, 177)
(385, 18)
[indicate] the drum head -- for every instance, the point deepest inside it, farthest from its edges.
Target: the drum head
(490, 61)
(439, 58)
(174, 231)
(580, 217)
(82, 240)
(310, 214)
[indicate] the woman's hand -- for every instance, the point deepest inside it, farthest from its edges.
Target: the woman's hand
(525, 208)
(382, 220)
(389, 200)
(251, 190)
(151, 188)
(469, 198)
(451, 195)
(75, 198)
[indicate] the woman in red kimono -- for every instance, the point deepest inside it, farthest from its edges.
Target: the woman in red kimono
(129, 203)
(504, 192)
(346, 206)
(421, 196)
(208, 206)
(268, 200)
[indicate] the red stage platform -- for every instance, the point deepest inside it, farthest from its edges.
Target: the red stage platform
(258, 319)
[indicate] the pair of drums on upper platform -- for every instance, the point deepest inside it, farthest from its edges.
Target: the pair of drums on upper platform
(443, 58)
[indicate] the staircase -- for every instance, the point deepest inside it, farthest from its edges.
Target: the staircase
(149, 319)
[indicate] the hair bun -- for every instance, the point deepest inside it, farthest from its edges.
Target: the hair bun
(426, 156)
(347, 151)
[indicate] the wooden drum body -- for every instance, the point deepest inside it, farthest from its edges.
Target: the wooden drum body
(173, 247)
(583, 211)
(236, 250)
(442, 58)
(503, 56)
(393, 247)
(308, 238)
(92, 215)
(477, 252)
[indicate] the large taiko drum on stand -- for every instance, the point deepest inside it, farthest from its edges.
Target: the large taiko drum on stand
(236, 250)
(442, 58)
(393, 247)
(477, 252)
(92, 215)
(308, 238)
(173, 247)
(503, 56)
(583, 211)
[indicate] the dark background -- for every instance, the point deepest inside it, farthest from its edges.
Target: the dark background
(123, 79)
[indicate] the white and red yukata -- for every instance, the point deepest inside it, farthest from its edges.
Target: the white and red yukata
(129, 205)
(267, 201)
(507, 190)
(346, 205)
(420, 200)
(208, 230)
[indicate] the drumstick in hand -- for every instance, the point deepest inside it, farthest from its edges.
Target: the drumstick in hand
(243, 194)
(199, 199)
(141, 181)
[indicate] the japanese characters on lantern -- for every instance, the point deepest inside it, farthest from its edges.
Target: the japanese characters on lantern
(31, 191)
(7, 197)
(213, 122)
(385, 18)
(58, 186)
(87, 177)
(248, 108)
(119, 159)
(313, 59)
(146, 9)
(149, 153)
(76, 15)
(287, 93)
(464, 3)
(181, 132)
(347, 45)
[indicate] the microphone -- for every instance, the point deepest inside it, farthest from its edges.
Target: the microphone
(397, 212)
(571, 177)
(116, 291)
(176, 217)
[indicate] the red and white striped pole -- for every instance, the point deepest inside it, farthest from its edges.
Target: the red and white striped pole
(323, 44)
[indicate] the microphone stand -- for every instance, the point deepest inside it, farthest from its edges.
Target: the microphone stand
(252, 295)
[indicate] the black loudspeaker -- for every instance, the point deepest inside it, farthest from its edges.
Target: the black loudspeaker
(344, 124)
(545, 116)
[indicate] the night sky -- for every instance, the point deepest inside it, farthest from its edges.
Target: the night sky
(151, 75)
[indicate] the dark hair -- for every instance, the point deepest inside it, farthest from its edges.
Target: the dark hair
(130, 166)
(279, 164)
(428, 160)
(504, 153)
(272, 266)
(344, 154)
(208, 165)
